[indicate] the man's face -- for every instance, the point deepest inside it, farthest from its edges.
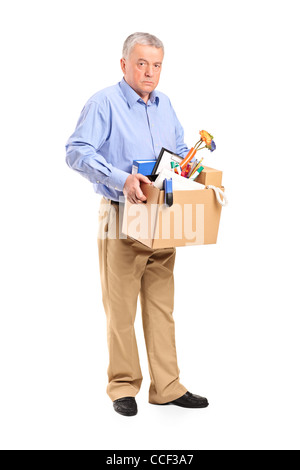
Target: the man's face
(142, 69)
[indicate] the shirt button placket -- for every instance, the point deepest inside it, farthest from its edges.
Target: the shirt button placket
(154, 135)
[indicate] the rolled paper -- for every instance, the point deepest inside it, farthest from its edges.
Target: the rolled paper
(188, 158)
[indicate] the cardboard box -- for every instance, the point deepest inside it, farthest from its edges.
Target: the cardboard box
(192, 220)
(210, 176)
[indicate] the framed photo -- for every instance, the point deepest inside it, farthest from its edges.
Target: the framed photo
(164, 160)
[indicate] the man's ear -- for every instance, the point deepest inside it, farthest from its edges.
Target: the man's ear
(123, 66)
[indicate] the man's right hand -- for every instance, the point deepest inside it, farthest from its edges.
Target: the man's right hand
(132, 189)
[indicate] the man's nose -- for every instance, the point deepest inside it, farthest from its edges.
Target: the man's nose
(149, 71)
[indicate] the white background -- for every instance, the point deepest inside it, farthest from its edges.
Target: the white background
(231, 68)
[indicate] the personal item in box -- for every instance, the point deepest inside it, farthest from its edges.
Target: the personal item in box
(168, 189)
(186, 184)
(196, 173)
(164, 160)
(179, 183)
(175, 167)
(193, 168)
(144, 167)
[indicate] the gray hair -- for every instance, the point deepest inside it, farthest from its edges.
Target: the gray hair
(144, 39)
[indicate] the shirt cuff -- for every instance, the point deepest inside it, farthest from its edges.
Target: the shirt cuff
(117, 178)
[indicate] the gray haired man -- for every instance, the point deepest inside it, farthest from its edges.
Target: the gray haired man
(117, 125)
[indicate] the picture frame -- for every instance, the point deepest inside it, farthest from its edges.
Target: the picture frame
(164, 160)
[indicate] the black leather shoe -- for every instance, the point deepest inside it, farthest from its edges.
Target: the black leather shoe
(125, 406)
(189, 400)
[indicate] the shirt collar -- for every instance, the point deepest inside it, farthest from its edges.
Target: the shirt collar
(132, 97)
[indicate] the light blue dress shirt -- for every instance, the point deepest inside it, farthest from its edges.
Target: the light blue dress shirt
(116, 127)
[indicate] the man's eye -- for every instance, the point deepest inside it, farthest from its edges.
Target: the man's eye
(142, 63)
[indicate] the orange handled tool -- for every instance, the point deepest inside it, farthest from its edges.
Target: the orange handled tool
(188, 158)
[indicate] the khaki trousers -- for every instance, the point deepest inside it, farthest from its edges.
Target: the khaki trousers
(129, 269)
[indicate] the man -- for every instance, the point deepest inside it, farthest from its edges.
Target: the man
(119, 124)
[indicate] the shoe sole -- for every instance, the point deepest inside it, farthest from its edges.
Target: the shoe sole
(194, 407)
(182, 406)
(125, 414)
